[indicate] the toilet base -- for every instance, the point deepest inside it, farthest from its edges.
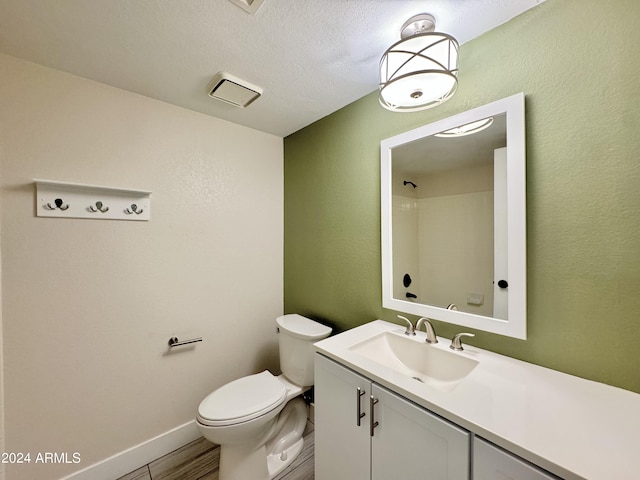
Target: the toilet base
(277, 463)
(243, 462)
(239, 464)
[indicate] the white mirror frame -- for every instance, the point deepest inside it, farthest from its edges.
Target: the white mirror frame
(516, 325)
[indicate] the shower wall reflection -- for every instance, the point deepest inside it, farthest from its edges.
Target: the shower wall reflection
(443, 231)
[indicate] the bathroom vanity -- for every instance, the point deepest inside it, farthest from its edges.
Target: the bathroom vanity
(387, 403)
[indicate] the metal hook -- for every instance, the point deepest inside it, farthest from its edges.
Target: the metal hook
(99, 207)
(59, 204)
(133, 209)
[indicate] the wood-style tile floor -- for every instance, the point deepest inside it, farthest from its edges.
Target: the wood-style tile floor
(199, 460)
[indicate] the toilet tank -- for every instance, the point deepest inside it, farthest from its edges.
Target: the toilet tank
(296, 339)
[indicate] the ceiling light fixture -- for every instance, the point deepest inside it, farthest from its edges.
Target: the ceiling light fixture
(421, 70)
(468, 129)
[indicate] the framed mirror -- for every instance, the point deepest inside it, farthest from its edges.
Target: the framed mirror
(454, 219)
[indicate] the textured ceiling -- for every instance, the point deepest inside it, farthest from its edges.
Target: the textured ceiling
(310, 57)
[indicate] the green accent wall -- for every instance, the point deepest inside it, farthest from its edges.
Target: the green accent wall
(577, 62)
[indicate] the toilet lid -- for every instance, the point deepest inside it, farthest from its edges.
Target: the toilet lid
(302, 327)
(242, 400)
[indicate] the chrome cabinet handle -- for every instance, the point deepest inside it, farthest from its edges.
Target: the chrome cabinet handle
(360, 413)
(372, 424)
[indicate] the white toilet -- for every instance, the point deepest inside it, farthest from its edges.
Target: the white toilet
(258, 420)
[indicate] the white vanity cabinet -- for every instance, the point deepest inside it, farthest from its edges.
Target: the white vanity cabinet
(493, 463)
(517, 421)
(365, 432)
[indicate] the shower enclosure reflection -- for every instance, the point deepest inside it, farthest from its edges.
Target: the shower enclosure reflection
(449, 237)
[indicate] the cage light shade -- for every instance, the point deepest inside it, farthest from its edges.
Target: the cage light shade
(419, 72)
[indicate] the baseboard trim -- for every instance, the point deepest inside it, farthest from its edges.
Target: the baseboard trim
(135, 457)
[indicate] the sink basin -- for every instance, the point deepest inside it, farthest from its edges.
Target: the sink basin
(417, 359)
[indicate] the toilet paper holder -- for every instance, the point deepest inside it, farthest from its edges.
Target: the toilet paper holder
(174, 342)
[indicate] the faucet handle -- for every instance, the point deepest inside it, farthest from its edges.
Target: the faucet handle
(410, 330)
(456, 343)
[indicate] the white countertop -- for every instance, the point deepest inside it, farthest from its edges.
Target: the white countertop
(572, 427)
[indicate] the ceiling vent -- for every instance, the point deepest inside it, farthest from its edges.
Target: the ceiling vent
(232, 90)
(250, 6)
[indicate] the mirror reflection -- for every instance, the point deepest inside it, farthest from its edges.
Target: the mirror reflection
(449, 232)
(453, 219)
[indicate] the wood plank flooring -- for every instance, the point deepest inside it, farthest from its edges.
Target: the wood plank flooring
(199, 460)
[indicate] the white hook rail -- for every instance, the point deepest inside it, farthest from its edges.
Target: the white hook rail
(75, 200)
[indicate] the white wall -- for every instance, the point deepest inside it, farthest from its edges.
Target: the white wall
(2, 449)
(89, 305)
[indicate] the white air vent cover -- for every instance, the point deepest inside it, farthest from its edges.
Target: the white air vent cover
(232, 90)
(250, 6)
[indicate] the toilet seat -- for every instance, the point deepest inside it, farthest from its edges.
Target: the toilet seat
(242, 400)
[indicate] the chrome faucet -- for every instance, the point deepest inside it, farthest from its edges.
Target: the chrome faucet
(410, 330)
(431, 333)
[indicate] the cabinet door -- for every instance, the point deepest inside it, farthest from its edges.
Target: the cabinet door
(492, 463)
(341, 445)
(410, 443)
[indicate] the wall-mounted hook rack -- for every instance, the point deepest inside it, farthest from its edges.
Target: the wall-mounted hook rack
(100, 207)
(114, 204)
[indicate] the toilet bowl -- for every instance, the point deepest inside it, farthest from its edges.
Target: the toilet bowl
(259, 420)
